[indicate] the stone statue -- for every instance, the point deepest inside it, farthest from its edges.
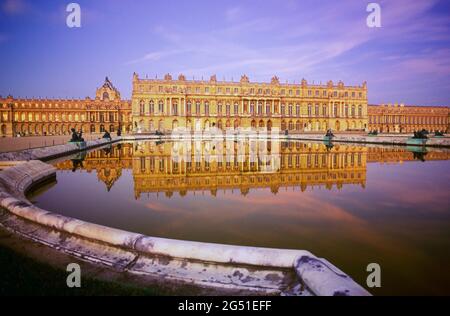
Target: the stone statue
(420, 134)
(107, 135)
(329, 133)
(76, 137)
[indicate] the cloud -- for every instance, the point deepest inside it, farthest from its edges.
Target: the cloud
(155, 56)
(3, 38)
(14, 7)
(232, 14)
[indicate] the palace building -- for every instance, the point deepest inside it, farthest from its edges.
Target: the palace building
(198, 105)
(394, 118)
(57, 116)
(168, 103)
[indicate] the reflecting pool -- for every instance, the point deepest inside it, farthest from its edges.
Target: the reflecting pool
(351, 204)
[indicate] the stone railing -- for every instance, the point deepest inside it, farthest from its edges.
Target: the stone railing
(132, 251)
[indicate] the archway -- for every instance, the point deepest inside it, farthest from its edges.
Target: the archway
(269, 125)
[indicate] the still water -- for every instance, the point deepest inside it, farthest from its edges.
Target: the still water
(352, 205)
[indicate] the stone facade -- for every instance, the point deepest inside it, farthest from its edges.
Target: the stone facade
(165, 104)
(57, 116)
(197, 105)
(394, 118)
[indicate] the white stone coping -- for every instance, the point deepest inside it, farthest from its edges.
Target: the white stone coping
(396, 140)
(45, 153)
(320, 276)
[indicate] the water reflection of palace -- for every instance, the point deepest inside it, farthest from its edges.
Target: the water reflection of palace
(204, 166)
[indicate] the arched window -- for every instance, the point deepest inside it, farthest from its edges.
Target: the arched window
(141, 107)
(105, 96)
(152, 107)
(188, 108)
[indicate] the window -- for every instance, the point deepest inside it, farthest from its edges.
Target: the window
(309, 110)
(152, 107)
(206, 89)
(175, 108)
(141, 107)
(290, 110)
(197, 108)
(297, 110)
(236, 90)
(268, 109)
(206, 108)
(227, 109)
(188, 107)
(236, 109)
(219, 108)
(161, 107)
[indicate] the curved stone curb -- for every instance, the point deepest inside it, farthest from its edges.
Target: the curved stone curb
(318, 275)
(46, 153)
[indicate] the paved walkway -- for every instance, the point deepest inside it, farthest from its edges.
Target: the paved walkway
(8, 144)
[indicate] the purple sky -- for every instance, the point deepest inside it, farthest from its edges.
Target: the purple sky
(406, 60)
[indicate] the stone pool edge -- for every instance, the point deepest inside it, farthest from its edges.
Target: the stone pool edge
(317, 274)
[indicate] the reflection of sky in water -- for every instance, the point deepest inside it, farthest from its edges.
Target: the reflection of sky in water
(401, 219)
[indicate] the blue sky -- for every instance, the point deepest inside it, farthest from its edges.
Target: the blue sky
(407, 60)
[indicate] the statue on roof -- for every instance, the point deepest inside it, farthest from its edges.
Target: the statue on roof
(275, 80)
(245, 79)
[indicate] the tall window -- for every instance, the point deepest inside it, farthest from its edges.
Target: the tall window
(141, 107)
(360, 111)
(175, 108)
(206, 108)
(324, 110)
(152, 107)
(227, 109)
(219, 108)
(297, 110)
(161, 107)
(268, 109)
(188, 107)
(197, 108)
(309, 110)
(283, 109)
(236, 109)
(260, 108)
(290, 109)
